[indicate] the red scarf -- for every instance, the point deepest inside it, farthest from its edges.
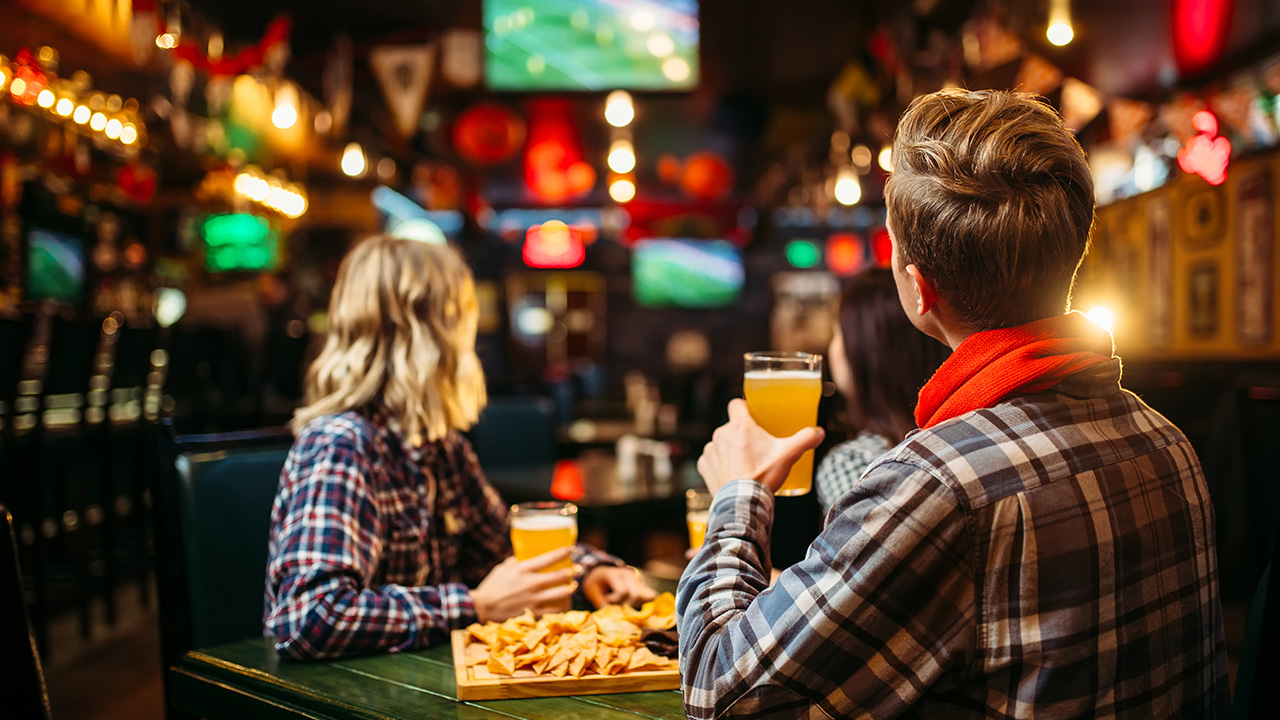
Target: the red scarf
(993, 365)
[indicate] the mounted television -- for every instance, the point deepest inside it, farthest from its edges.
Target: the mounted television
(591, 44)
(669, 272)
(55, 266)
(239, 241)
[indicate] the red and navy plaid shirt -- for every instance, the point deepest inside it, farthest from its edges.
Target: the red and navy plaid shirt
(1052, 556)
(375, 543)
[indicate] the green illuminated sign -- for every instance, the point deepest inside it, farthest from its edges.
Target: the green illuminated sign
(239, 241)
(803, 253)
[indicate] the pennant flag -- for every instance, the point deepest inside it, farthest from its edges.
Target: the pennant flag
(990, 44)
(1233, 106)
(460, 57)
(337, 84)
(1037, 75)
(1080, 104)
(404, 72)
(1271, 75)
(1176, 115)
(1128, 118)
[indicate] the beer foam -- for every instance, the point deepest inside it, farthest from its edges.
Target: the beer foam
(543, 522)
(782, 375)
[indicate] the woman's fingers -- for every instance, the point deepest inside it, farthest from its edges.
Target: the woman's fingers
(546, 560)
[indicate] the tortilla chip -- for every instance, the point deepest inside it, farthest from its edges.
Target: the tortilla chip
(476, 655)
(534, 636)
(502, 663)
(486, 633)
(643, 659)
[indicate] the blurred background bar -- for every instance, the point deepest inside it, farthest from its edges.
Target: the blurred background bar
(646, 189)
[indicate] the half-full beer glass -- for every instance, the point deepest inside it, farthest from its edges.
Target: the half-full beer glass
(696, 504)
(782, 392)
(538, 528)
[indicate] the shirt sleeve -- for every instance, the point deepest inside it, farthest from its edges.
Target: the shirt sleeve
(327, 539)
(879, 610)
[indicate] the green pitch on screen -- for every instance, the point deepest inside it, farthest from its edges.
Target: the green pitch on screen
(591, 44)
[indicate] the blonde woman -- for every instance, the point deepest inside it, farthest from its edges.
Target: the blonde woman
(385, 534)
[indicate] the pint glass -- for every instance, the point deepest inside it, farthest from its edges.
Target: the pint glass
(540, 527)
(696, 505)
(782, 392)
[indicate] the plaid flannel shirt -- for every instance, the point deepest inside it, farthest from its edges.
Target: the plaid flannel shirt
(844, 465)
(1052, 556)
(375, 543)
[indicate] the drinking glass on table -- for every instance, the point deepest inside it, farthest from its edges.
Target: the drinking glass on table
(696, 505)
(538, 528)
(782, 392)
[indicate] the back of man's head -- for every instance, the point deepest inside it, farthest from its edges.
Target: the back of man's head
(992, 199)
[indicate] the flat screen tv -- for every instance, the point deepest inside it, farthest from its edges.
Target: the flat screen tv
(669, 272)
(591, 44)
(55, 266)
(239, 241)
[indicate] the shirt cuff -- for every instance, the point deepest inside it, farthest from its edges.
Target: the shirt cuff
(457, 606)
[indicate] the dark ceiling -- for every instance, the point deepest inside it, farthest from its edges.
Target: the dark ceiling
(789, 50)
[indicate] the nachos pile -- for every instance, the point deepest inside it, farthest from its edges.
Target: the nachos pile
(577, 642)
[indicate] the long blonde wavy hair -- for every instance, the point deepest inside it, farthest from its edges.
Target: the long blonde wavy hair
(402, 331)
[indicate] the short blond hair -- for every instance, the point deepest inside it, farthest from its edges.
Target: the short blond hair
(992, 199)
(402, 331)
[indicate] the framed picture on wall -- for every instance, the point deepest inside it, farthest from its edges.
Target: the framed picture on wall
(1160, 270)
(1203, 296)
(1254, 253)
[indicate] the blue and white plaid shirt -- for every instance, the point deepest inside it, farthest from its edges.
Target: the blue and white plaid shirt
(375, 543)
(1052, 556)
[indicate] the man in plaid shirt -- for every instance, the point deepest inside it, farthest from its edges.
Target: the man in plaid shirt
(1044, 544)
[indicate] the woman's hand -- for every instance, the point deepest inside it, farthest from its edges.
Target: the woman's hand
(513, 586)
(612, 585)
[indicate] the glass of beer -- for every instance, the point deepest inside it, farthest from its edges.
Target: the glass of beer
(782, 392)
(696, 504)
(538, 528)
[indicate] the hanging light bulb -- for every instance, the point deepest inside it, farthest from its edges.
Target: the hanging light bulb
(45, 99)
(98, 121)
(886, 158)
(622, 190)
(847, 189)
(81, 115)
(286, 112)
(353, 162)
(65, 107)
(618, 110)
(622, 156)
(128, 134)
(1060, 31)
(113, 128)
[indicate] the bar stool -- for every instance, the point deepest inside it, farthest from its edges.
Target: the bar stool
(72, 504)
(127, 445)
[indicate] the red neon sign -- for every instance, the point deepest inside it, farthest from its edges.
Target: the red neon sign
(1206, 155)
(553, 245)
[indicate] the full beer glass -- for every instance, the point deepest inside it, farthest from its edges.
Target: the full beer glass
(538, 528)
(782, 392)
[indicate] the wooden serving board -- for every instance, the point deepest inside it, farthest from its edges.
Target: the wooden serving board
(477, 683)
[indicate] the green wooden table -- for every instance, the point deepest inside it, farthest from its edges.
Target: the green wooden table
(246, 679)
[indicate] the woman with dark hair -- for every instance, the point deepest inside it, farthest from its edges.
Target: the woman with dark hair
(879, 361)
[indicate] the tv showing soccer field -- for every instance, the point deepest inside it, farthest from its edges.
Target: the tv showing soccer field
(55, 266)
(671, 272)
(591, 44)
